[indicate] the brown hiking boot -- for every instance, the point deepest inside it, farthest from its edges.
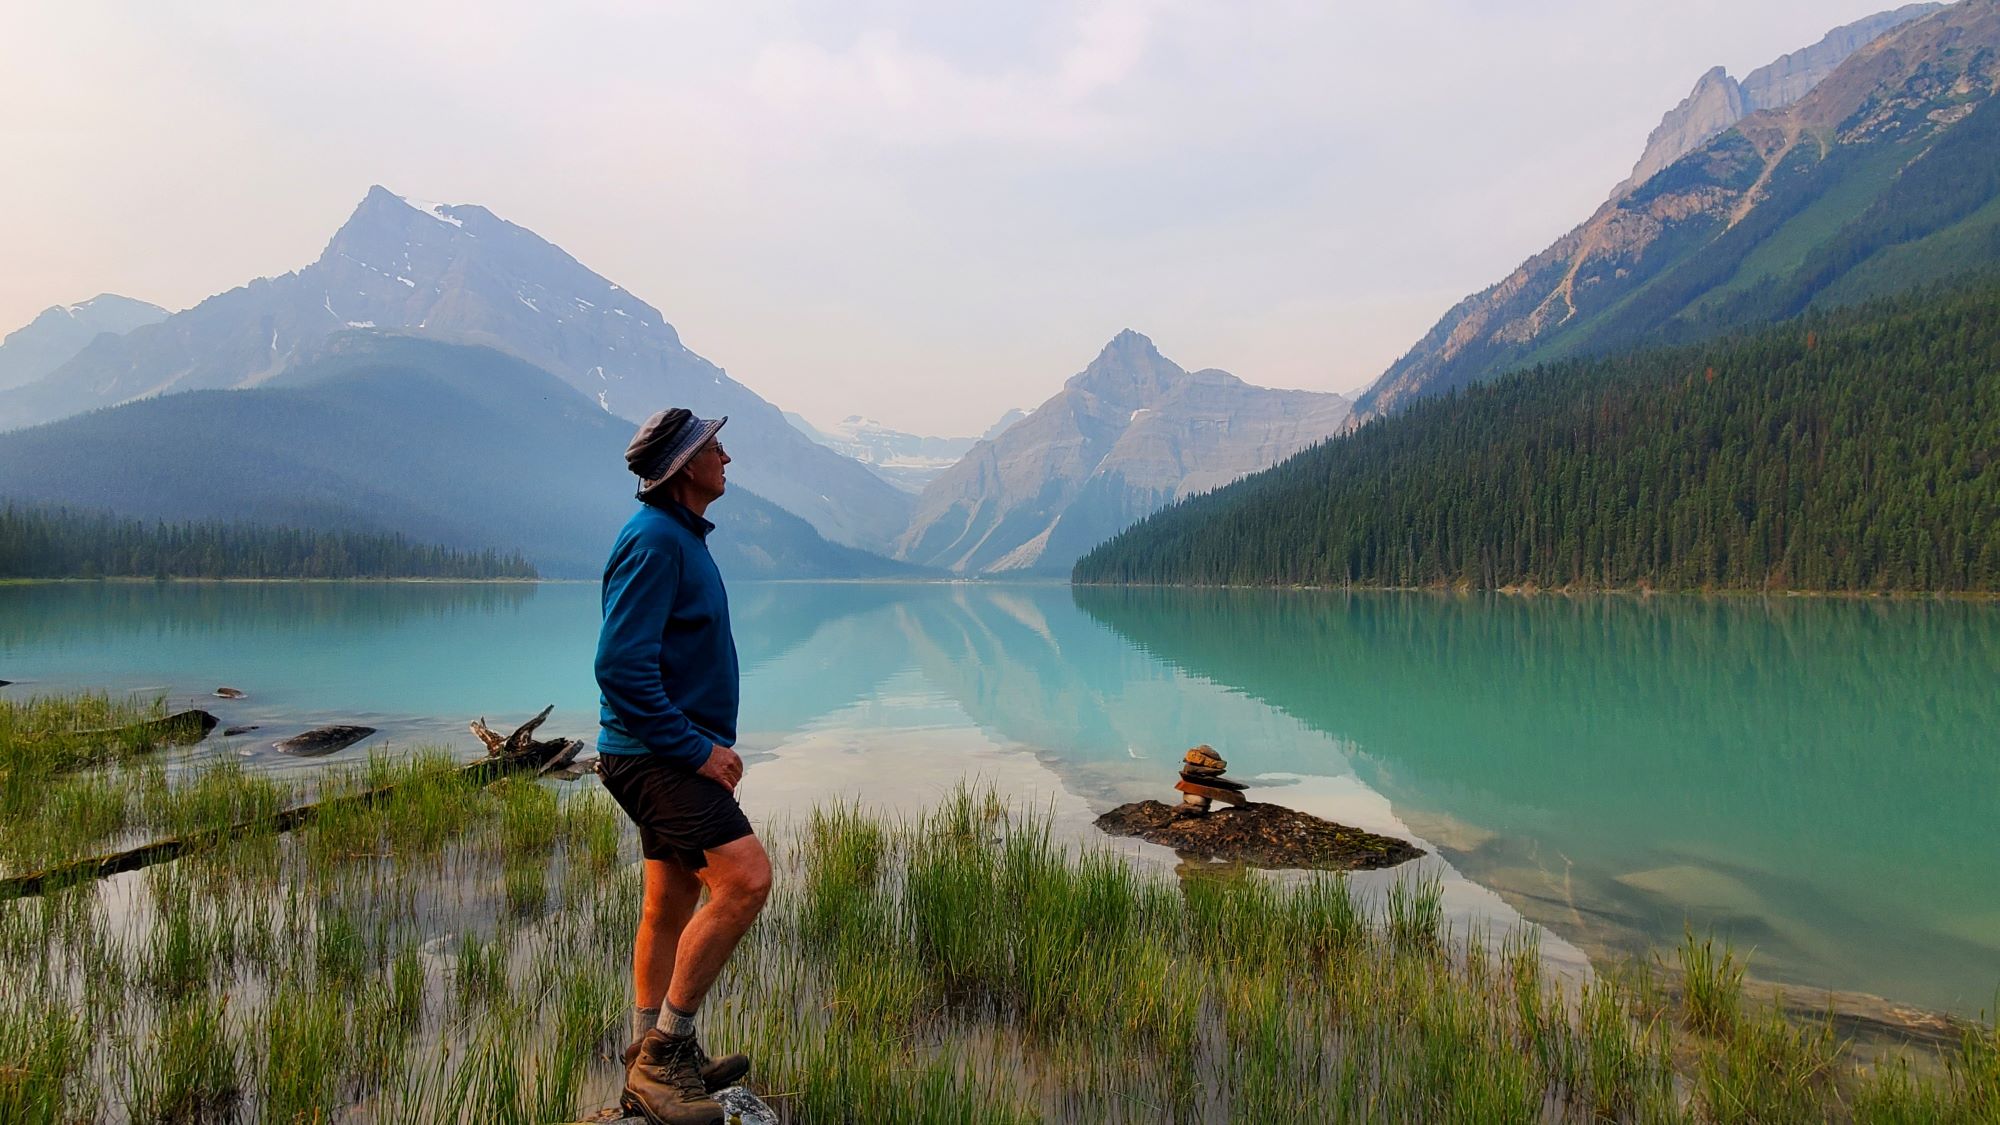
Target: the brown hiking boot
(663, 1085)
(716, 1074)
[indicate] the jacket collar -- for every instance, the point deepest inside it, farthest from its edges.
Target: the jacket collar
(683, 516)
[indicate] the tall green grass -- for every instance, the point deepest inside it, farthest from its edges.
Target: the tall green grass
(459, 953)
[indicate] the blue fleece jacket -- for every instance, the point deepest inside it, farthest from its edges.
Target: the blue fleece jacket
(666, 662)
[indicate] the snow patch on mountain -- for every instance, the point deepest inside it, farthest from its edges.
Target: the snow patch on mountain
(434, 210)
(908, 461)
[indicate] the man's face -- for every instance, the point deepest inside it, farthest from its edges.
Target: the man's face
(704, 470)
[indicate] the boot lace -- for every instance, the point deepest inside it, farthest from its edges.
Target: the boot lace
(680, 1066)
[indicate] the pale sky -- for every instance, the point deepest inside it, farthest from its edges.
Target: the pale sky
(919, 211)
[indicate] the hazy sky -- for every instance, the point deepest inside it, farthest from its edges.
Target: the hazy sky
(919, 211)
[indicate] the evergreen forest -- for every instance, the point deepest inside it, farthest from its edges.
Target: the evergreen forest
(63, 543)
(1856, 449)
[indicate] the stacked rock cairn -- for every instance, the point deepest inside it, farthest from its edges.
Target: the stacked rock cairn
(1202, 782)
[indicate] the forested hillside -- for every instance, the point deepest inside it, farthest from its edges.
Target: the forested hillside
(59, 543)
(462, 446)
(1850, 450)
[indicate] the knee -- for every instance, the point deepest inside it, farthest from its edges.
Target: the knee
(656, 912)
(745, 888)
(752, 888)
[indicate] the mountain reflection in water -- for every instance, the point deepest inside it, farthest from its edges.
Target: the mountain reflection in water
(1812, 778)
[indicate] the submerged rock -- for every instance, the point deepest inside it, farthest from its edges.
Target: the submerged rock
(182, 728)
(1261, 835)
(322, 741)
(232, 732)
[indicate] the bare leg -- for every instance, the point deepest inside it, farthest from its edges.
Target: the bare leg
(671, 894)
(738, 877)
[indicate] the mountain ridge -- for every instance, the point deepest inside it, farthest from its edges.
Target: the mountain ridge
(1128, 433)
(59, 332)
(908, 461)
(1694, 248)
(460, 273)
(1851, 450)
(1719, 101)
(446, 443)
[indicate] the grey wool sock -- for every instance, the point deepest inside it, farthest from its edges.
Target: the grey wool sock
(673, 1021)
(644, 1020)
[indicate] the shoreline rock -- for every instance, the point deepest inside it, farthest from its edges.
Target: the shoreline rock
(322, 741)
(182, 728)
(1259, 835)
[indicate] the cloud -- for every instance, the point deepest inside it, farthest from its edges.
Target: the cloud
(885, 89)
(856, 204)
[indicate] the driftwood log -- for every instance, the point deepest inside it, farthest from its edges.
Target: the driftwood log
(514, 753)
(521, 750)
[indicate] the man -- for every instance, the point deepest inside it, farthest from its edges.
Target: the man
(666, 664)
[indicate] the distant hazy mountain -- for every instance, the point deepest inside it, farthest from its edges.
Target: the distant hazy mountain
(61, 331)
(1130, 433)
(446, 443)
(1000, 427)
(461, 273)
(1880, 174)
(907, 461)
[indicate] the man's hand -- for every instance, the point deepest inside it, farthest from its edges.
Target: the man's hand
(723, 766)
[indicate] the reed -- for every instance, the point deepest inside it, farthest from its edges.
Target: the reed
(45, 1060)
(190, 1070)
(1770, 1069)
(219, 792)
(592, 829)
(192, 938)
(1968, 1093)
(304, 1053)
(405, 961)
(1712, 986)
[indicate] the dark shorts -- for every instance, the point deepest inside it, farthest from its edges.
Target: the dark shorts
(680, 814)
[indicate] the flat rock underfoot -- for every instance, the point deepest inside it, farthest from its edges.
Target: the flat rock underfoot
(1260, 835)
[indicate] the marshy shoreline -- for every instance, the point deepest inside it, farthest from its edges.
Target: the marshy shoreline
(458, 952)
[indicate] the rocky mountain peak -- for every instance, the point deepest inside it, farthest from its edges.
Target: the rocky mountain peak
(1130, 369)
(59, 332)
(459, 273)
(1792, 76)
(1129, 433)
(1950, 58)
(1719, 101)
(112, 311)
(1001, 426)
(1876, 175)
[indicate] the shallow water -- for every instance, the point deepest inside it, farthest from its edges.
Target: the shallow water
(1814, 779)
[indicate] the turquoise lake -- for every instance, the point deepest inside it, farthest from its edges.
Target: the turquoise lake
(1818, 780)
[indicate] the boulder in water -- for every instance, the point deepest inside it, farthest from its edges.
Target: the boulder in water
(321, 741)
(230, 693)
(182, 728)
(1260, 835)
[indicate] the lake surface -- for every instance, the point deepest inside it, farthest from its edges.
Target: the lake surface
(1817, 780)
